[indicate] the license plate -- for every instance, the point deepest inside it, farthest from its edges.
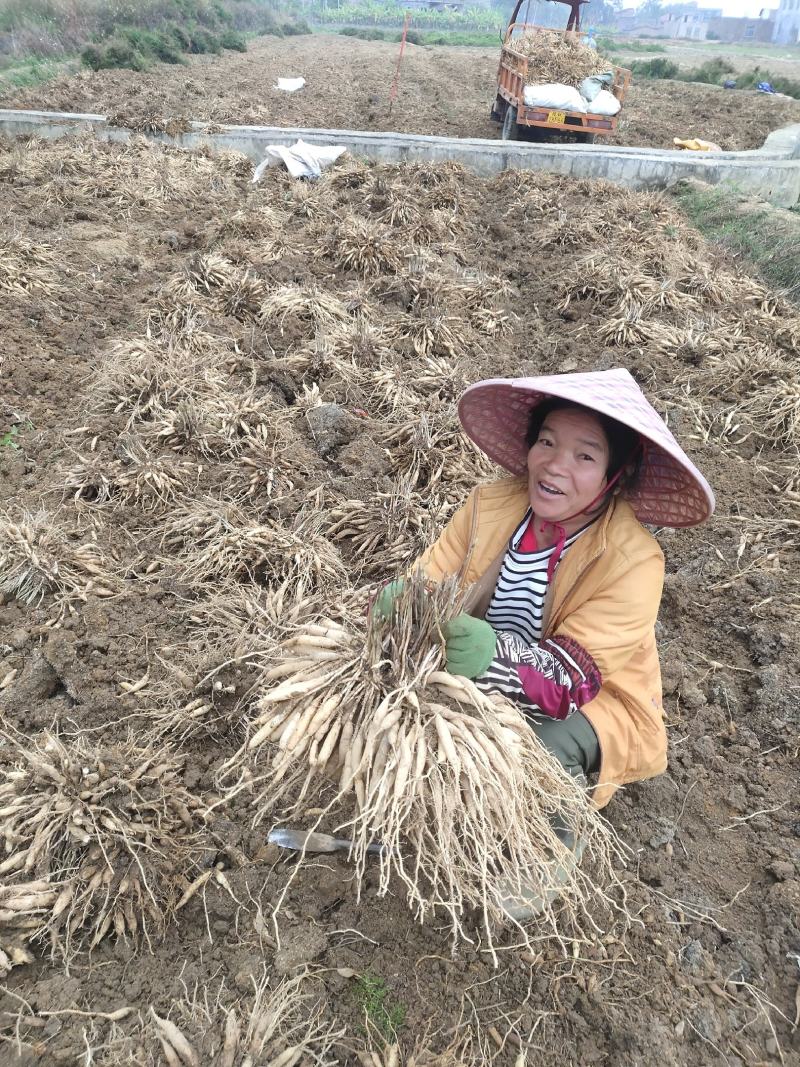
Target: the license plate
(557, 116)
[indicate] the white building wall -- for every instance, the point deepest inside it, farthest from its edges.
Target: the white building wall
(787, 23)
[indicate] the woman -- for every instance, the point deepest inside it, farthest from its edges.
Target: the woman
(564, 580)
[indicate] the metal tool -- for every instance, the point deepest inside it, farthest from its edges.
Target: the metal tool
(309, 841)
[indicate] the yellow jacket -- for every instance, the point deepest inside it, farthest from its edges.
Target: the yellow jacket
(605, 595)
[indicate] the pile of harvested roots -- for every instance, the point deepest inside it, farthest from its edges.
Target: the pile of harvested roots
(452, 782)
(96, 842)
(554, 56)
(38, 558)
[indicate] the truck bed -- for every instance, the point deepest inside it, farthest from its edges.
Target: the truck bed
(512, 77)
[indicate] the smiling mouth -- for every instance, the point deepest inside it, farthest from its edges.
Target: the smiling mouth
(549, 489)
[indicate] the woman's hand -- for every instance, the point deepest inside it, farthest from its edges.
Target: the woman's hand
(471, 645)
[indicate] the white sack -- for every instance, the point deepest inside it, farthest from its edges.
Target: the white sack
(591, 86)
(605, 103)
(554, 95)
(289, 85)
(301, 160)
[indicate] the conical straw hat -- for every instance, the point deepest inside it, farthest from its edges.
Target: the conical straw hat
(671, 491)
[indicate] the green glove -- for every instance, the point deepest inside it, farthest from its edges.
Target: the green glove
(382, 608)
(471, 645)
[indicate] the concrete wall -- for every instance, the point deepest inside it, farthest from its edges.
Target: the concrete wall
(771, 172)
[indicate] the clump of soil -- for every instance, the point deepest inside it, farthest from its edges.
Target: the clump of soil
(160, 376)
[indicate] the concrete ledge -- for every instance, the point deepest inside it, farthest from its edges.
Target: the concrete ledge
(771, 172)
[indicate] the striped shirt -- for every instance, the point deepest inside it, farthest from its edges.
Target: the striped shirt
(548, 679)
(517, 605)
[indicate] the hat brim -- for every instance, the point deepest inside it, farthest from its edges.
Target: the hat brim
(670, 490)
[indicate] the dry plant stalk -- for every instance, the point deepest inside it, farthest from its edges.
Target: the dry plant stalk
(25, 265)
(282, 1026)
(452, 781)
(236, 627)
(178, 392)
(363, 246)
(37, 558)
(304, 309)
(97, 841)
(213, 542)
(457, 1054)
(554, 56)
(138, 477)
(775, 410)
(387, 532)
(441, 461)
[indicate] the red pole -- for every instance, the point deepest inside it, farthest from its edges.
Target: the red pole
(396, 82)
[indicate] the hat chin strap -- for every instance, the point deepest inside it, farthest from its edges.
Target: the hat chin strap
(561, 533)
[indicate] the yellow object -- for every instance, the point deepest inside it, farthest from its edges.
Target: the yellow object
(605, 595)
(695, 144)
(557, 116)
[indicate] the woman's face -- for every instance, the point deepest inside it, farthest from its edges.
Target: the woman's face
(567, 465)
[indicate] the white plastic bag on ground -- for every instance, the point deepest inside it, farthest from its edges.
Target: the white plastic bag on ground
(289, 85)
(301, 160)
(605, 103)
(554, 95)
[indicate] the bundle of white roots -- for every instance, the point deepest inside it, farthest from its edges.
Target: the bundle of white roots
(452, 782)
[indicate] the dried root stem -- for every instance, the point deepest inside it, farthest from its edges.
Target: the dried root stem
(278, 1027)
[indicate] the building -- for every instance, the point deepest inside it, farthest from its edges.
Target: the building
(630, 22)
(735, 30)
(688, 21)
(691, 25)
(787, 23)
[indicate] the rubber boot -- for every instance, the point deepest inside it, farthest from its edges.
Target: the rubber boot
(525, 901)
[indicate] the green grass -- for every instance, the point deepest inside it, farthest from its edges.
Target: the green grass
(612, 44)
(130, 33)
(655, 68)
(373, 999)
(759, 49)
(390, 13)
(714, 72)
(8, 439)
(461, 39)
(469, 40)
(766, 238)
(33, 71)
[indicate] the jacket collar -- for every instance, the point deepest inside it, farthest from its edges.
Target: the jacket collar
(588, 548)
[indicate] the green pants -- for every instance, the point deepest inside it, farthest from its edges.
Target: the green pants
(573, 742)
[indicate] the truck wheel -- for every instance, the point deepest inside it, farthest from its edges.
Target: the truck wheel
(510, 128)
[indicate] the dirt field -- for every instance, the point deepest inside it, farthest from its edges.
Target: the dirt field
(445, 91)
(169, 333)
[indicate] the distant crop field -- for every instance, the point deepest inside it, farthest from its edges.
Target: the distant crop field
(782, 59)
